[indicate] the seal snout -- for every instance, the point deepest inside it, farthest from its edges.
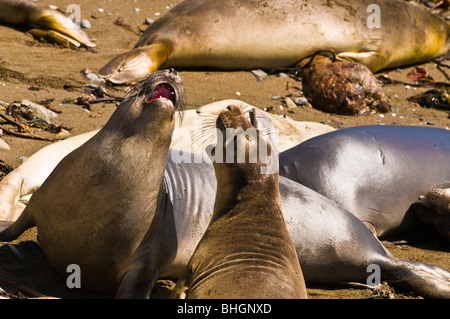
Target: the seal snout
(163, 84)
(232, 117)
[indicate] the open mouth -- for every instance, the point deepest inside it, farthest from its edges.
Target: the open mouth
(163, 90)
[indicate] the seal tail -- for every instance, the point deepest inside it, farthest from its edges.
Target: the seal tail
(136, 64)
(423, 279)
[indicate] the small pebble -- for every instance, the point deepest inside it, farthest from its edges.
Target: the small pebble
(259, 74)
(393, 108)
(148, 21)
(100, 10)
(137, 9)
(85, 24)
(301, 101)
(238, 93)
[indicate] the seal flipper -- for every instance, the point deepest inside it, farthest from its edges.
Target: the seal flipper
(12, 230)
(423, 279)
(181, 288)
(50, 19)
(372, 59)
(135, 64)
(10, 192)
(156, 251)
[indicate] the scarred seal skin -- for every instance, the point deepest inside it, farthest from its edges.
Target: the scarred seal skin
(376, 171)
(248, 34)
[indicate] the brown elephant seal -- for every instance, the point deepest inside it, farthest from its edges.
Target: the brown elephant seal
(99, 208)
(434, 208)
(270, 34)
(246, 251)
(24, 12)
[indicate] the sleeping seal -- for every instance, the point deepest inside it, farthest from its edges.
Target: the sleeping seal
(376, 171)
(270, 34)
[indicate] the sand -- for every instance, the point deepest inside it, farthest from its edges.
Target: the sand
(27, 63)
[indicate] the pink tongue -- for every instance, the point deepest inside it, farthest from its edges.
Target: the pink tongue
(160, 91)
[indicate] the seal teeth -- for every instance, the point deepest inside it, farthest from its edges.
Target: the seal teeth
(162, 91)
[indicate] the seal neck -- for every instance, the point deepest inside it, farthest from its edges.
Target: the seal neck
(235, 189)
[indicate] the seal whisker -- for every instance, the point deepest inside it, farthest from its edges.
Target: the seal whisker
(202, 136)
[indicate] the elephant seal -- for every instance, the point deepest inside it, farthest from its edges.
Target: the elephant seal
(376, 172)
(100, 207)
(246, 251)
(18, 186)
(24, 12)
(234, 35)
(332, 244)
(433, 208)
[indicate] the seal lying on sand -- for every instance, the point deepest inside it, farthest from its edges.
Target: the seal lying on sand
(246, 251)
(103, 199)
(375, 172)
(21, 12)
(247, 34)
(332, 244)
(17, 187)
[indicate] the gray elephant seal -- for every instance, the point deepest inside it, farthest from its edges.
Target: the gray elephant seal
(375, 172)
(99, 208)
(246, 251)
(247, 34)
(24, 12)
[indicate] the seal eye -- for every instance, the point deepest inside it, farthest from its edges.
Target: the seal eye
(162, 91)
(229, 107)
